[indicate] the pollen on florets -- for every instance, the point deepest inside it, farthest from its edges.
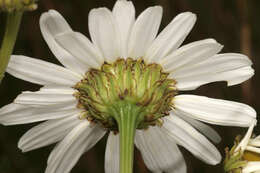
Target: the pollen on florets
(145, 86)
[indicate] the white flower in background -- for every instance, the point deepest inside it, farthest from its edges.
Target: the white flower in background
(77, 115)
(244, 157)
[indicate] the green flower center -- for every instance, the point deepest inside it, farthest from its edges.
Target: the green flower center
(145, 87)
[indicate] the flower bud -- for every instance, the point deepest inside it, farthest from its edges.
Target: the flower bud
(17, 5)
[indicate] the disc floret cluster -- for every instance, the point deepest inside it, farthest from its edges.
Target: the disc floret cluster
(145, 87)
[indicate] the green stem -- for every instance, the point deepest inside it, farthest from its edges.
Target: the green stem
(12, 28)
(127, 120)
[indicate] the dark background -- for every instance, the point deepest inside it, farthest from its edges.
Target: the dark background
(233, 23)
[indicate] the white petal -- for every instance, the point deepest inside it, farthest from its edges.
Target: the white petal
(159, 153)
(191, 53)
(52, 24)
(67, 153)
(41, 72)
(251, 167)
(124, 13)
(57, 89)
(233, 77)
(191, 139)
(201, 127)
(255, 141)
(244, 142)
(218, 63)
(112, 154)
(81, 48)
(44, 98)
(48, 133)
(144, 31)
(53, 106)
(253, 149)
(230, 67)
(104, 33)
(19, 114)
(215, 111)
(171, 37)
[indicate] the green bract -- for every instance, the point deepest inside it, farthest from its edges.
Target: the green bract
(234, 161)
(126, 83)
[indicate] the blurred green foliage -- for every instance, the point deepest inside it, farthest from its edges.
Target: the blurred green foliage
(219, 19)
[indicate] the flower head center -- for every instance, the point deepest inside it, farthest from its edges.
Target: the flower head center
(145, 86)
(251, 156)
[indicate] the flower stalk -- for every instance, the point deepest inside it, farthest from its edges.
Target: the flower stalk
(15, 10)
(127, 116)
(127, 122)
(11, 31)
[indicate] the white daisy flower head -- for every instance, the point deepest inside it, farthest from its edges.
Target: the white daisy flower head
(126, 73)
(244, 157)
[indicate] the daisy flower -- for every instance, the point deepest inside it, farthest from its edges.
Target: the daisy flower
(126, 78)
(244, 157)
